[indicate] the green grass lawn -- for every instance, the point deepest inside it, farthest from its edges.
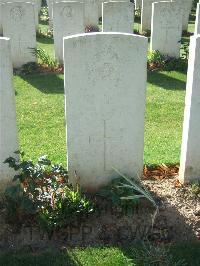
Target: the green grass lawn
(103, 256)
(40, 113)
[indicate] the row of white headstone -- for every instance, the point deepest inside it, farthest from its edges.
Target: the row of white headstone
(69, 18)
(17, 23)
(184, 7)
(36, 5)
(105, 108)
(117, 16)
(93, 11)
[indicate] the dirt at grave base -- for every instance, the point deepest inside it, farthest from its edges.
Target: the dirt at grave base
(179, 205)
(178, 220)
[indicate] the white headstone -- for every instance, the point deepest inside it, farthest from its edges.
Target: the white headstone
(102, 1)
(185, 6)
(18, 25)
(105, 84)
(190, 150)
(50, 4)
(118, 16)
(166, 28)
(50, 11)
(35, 3)
(197, 23)
(68, 19)
(1, 16)
(91, 13)
(8, 128)
(146, 14)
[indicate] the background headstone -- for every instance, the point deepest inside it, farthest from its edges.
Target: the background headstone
(146, 14)
(8, 127)
(18, 25)
(91, 13)
(118, 16)
(68, 19)
(190, 150)
(36, 4)
(105, 84)
(185, 6)
(166, 28)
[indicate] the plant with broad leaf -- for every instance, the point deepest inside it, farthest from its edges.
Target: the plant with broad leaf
(42, 190)
(126, 191)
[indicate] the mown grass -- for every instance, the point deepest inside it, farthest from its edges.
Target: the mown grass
(40, 113)
(99, 256)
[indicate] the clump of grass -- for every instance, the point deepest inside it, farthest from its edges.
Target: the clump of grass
(45, 59)
(155, 255)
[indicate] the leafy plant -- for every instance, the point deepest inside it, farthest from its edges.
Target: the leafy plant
(45, 59)
(44, 14)
(43, 191)
(195, 188)
(44, 34)
(185, 48)
(138, 13)
(135, 188)
(127, 191)
(155, 255)
(29, 68)
(157, 61)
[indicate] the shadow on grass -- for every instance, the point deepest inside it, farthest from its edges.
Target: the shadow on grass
(168, 83)
(187, 251)
(46, 83)
(192, 18)
(45, 40)
(49, 258)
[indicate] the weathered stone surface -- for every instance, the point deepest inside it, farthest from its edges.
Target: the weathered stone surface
(90, 11)
(91, 14)
(146, 14)
(50, 4)
(1, 16)
(8, 128)
(197, 23)
(18, 25)
(166, 28)
(118, 16)
(185, 6)
(68, 18)
(104, 107)
(190, 150)
(36, 4)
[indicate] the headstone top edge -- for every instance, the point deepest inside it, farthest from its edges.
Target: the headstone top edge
(106, 33)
